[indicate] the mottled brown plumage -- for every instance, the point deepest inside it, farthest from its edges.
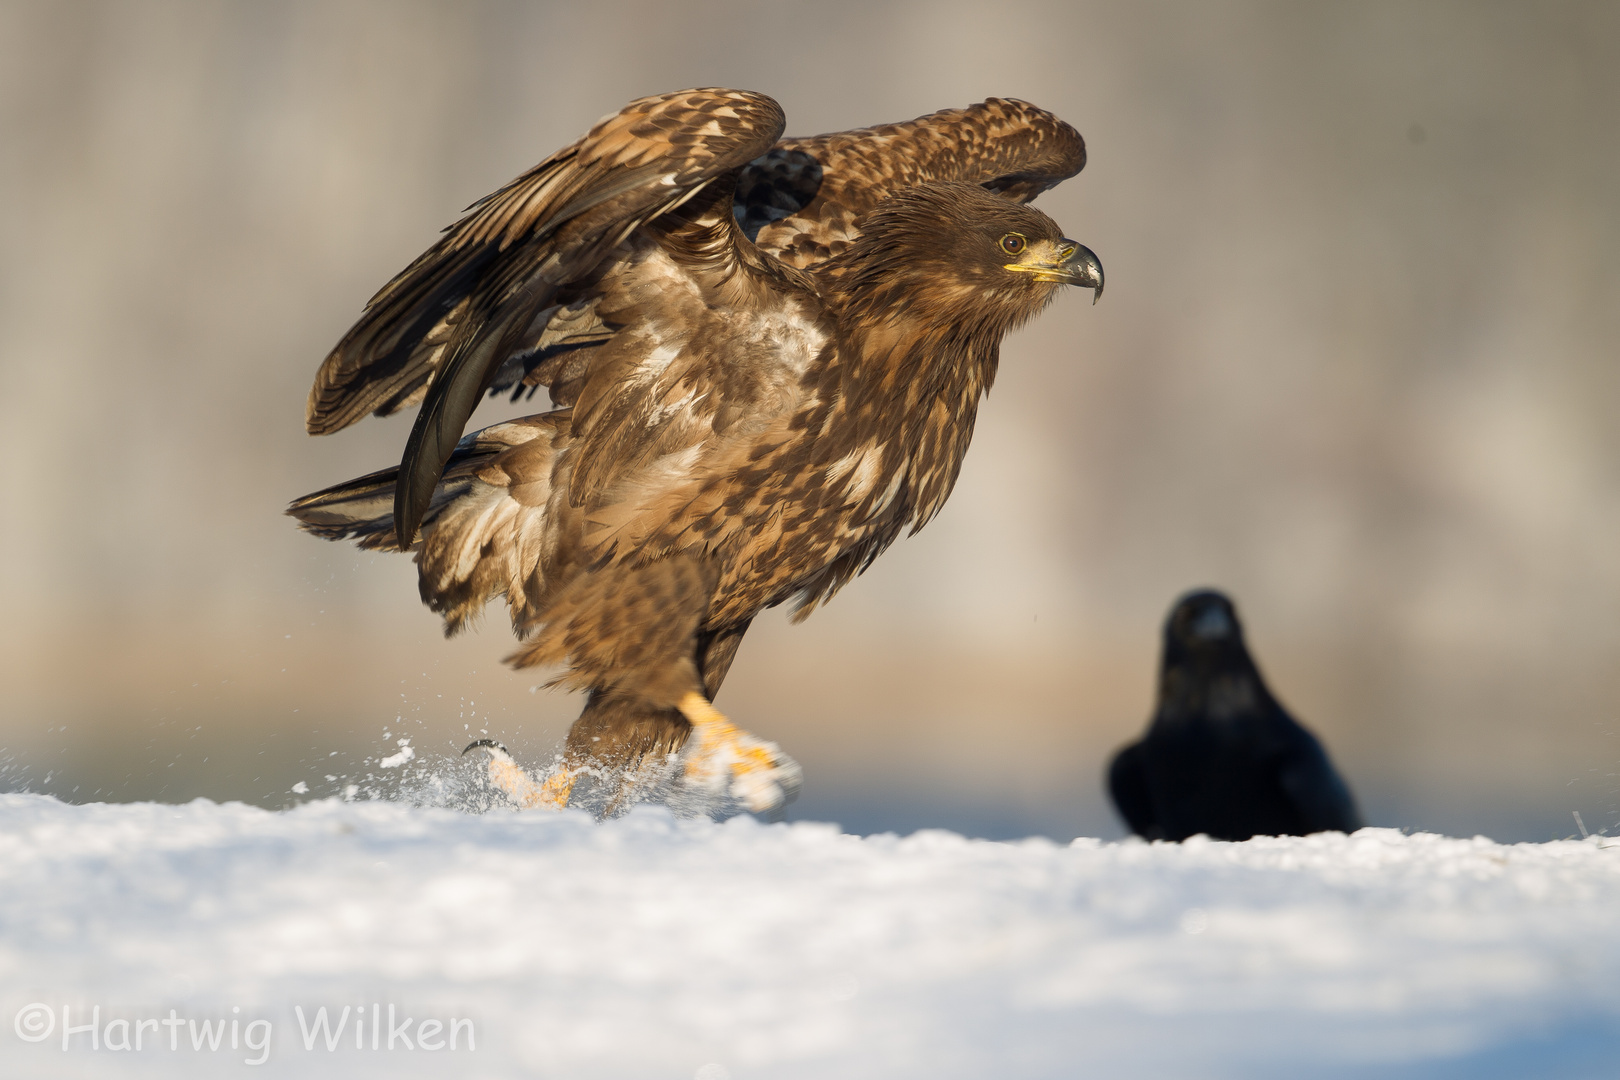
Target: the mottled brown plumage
(766, 360)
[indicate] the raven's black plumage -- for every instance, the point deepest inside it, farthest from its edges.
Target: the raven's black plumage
(1221, 756)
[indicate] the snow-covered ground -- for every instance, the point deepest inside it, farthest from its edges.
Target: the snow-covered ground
(655, 947)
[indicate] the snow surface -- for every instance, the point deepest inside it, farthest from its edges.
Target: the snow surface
(652, 946)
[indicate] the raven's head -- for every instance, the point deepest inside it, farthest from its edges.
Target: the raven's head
(1207, 672)
(1203, 627)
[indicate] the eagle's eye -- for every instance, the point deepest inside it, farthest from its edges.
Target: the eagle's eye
(1013, 244)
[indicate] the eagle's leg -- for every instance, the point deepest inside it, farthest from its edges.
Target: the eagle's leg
(626, 745)
(724, 756)
(634, 636)
(508, 776)
(760, 774)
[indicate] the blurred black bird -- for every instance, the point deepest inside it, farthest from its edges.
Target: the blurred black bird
(1221, 756)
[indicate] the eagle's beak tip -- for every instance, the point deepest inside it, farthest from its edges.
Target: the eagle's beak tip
(1084, 268)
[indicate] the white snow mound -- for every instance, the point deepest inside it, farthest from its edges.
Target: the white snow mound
(550, 945)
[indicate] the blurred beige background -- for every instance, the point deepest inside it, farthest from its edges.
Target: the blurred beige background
(1356, 364)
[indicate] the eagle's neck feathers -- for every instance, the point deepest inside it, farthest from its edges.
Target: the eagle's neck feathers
(916, 354)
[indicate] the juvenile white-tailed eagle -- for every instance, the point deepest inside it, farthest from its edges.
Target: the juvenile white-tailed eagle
(765, 357)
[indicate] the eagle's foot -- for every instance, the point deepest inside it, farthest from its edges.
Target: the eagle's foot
(507, 775)
(721, 756)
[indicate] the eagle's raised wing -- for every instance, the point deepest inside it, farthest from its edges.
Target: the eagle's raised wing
(513, 291)
(802, 201)
(455, 314)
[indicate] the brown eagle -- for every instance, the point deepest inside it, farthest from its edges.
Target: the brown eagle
(765, 357)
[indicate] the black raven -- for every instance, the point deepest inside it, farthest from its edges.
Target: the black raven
(1221, 756)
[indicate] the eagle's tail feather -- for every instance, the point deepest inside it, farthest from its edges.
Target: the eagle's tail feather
(477, 540)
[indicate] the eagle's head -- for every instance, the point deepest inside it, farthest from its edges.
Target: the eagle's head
(964, 251)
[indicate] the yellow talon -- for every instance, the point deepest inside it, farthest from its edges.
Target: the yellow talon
(713, 729)
(702, 713)
(550, 795)
(762, 776)
(506, 774)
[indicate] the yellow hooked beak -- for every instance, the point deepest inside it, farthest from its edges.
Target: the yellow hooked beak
(1062, 262)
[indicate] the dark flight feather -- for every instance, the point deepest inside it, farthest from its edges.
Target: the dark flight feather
(1221, 756)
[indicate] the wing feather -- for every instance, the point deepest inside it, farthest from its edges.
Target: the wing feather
(476, 309)
(631, 166)
(830, 181)
(504, 263)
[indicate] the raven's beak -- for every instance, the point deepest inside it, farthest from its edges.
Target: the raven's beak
(1213, 625)
(1064, 262)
